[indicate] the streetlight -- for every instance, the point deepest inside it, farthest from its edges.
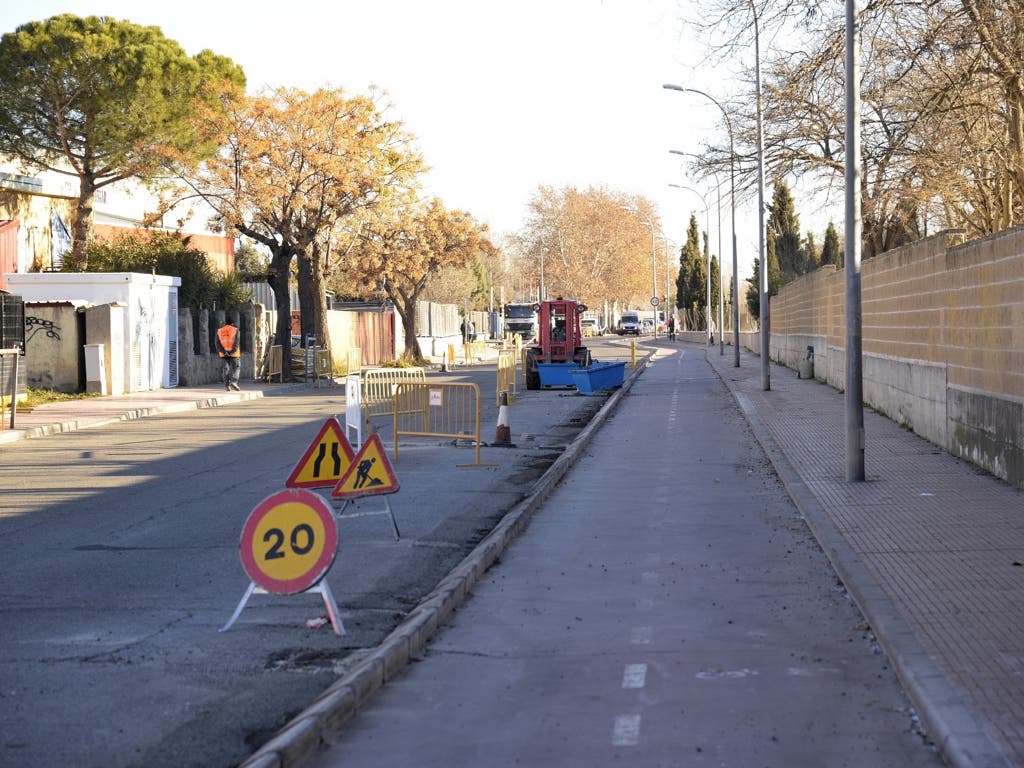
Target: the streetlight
(707, 225)
(721, 288)
(766, 382)
(732, 194)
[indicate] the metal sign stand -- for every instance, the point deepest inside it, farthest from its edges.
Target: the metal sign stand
(321, 587)
(385, 511)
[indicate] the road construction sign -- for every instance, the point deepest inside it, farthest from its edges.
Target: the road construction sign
(370, 473)
(325, 461)
(289, 542)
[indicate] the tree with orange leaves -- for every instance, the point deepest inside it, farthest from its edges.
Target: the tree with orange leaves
(400, 249)
(296, 164)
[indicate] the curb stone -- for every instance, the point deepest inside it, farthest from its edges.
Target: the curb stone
(395, 651)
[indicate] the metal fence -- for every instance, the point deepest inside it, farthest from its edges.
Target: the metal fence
(450, 410)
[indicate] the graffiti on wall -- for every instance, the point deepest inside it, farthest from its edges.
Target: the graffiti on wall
(34, 325)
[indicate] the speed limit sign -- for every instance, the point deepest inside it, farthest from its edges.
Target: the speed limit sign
(289, 542)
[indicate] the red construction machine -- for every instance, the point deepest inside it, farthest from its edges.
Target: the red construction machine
(559, 339)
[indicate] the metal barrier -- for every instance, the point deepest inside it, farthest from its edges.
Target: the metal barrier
(438, 410)
(275, 364)
(380, 384)
(353, 360)
(323, 366)
(506, 374)
(474, 350)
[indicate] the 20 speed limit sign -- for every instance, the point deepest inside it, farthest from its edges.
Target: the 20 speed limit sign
(289, 542)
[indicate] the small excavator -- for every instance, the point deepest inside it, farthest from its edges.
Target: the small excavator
(559, 339)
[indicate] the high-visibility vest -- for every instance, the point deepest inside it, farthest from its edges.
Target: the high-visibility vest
(227, 335)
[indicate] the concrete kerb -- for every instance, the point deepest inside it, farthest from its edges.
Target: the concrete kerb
(74, 425)
(330, 713)
(949, 723)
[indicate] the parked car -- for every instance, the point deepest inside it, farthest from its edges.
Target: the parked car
(647, 326)
(591, 327)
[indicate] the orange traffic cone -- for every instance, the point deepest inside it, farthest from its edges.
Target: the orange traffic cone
(503, 434)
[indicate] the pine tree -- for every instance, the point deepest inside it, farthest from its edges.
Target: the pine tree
(831, 253)
(689, 282)
(754, 283)
(809, 253)
(784, 230)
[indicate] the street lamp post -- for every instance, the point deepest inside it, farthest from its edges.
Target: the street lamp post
(766, 382)
(721, 281)
(732, 196)
(707, 226)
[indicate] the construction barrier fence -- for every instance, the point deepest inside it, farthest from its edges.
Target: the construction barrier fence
(380, 384)
(353, 360)
(437, 410)
(506, 375)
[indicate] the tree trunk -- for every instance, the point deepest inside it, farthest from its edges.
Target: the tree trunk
(321, 329)
(277, 277)
(307, 305)
(81, 230)
(405, 306)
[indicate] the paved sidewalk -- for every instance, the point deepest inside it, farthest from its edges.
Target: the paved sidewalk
(72, 415)
(931, 547)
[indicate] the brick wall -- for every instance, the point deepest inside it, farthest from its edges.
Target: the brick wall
(943, 341)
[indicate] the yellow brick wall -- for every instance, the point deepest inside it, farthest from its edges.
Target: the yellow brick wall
(960, 306)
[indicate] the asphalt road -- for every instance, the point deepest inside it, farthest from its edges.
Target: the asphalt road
(121, 562)
(667, 606)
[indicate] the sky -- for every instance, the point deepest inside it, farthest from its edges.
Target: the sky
(502, 97)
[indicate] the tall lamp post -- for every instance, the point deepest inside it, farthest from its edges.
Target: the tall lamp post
(707, 304)
(732, 197)
(721, 289)
(766, 381)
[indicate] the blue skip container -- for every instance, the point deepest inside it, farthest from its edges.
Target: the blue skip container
(598, 376)
(555, 374)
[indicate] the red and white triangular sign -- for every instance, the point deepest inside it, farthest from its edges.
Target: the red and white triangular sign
(370, 473)
(326, 460)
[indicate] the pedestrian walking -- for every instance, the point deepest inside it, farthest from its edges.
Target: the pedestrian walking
(671, 328)
(229, 349)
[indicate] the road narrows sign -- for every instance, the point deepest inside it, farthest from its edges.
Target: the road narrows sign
(328, 458)
(289, 542)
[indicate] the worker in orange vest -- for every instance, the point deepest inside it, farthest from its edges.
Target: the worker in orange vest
(229, 348)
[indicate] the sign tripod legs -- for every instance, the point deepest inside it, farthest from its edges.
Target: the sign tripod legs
(321, 587)
(386, 511)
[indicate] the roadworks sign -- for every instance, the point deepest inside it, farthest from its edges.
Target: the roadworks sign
(370, 473)
(326, 460)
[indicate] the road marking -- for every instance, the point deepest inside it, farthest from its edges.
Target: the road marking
(635, 676)
(726, 674)
(641, 635)
(627, 731)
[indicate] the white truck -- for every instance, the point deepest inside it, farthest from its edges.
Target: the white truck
(521, 319)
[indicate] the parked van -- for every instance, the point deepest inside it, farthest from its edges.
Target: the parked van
(629, 324)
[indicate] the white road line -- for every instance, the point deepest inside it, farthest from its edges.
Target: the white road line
(634, 676)
(641, 635)
(627, 731)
